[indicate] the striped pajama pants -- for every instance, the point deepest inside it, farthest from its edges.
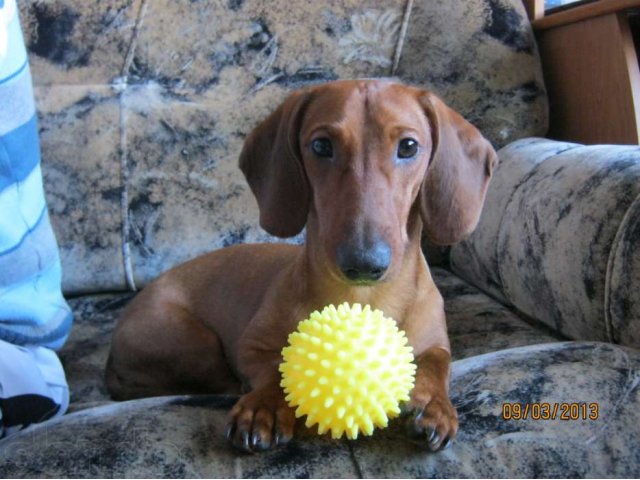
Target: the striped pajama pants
(34, 317)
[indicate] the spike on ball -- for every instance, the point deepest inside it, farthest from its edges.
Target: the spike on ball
(347, 369)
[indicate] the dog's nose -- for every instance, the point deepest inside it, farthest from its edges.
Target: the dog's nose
(364, 264)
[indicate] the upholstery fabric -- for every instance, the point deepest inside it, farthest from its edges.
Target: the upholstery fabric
(181, 436)
(478, 324)
(558, 238)
(480, 56)
(32, 309)
(162, 93)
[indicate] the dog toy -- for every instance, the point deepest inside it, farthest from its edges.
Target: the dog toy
(347, 369)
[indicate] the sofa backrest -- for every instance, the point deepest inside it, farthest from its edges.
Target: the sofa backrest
(144, 105)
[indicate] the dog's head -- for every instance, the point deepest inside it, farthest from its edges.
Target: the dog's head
(363, 164)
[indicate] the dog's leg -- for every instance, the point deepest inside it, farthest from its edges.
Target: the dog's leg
(262, 419)
(432, 417)
(160, 348)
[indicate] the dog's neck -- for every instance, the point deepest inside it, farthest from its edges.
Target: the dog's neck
(390, 294)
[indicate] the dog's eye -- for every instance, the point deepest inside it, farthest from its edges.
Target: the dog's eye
(322, 147)
(407, 148)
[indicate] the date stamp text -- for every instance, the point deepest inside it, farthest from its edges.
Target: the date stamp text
(565, 411)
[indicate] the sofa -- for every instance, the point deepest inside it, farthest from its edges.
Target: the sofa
(142, 109)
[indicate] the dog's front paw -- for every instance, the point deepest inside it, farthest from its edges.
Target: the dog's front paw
(433, 422)
(260, 420)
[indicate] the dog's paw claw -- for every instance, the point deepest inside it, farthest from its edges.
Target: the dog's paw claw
(260, 422)
(434, 425)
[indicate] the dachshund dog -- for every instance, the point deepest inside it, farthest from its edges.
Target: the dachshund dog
(368, 166)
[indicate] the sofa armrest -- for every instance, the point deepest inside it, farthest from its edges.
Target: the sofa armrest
(559, 238)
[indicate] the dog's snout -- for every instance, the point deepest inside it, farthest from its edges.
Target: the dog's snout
(364, 264)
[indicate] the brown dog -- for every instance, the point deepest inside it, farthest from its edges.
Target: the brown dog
(367, 166)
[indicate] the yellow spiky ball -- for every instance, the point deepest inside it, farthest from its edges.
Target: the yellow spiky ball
(347, 369)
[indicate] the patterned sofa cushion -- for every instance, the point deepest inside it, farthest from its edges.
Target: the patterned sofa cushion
(558, 238)
(592, 432)
(144, 106)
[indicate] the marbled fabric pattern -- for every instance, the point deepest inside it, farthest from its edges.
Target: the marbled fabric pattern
(478, 324)
(144, 105)
(622, 301)
(477, 55)
(559, 238)
(476, 258)
(182, 436)
(492, 446)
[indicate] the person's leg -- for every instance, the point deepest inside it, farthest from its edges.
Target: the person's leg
(34, 317)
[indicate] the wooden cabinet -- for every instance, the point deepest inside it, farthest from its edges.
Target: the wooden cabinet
(590, 66)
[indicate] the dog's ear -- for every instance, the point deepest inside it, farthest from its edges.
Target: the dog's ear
(455, 184)
(272, 164)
